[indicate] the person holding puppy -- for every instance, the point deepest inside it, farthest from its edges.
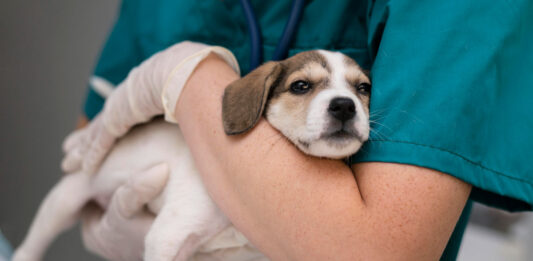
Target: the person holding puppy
(449, 93)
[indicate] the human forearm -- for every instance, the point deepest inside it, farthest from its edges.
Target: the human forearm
(257, 179)
(296, 207)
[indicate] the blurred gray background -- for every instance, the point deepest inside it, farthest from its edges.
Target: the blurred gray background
(47, 52)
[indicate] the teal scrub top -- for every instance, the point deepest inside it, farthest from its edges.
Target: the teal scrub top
(452, 80)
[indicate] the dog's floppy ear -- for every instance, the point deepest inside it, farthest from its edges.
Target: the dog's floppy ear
(245, 99)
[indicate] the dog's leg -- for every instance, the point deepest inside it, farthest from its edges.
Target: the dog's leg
(188, 219)
(210, 228)
(58, 212)
(174, 236)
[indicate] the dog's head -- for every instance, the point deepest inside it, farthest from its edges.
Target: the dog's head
(317, 99)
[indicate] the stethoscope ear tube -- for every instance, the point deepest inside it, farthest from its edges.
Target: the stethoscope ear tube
(256, 51)
(282, 49)
(289, 31)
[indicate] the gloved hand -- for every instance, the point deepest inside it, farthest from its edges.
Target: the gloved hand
(150, 89)
(118, 234)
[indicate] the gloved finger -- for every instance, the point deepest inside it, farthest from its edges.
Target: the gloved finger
(130, 198)
(74, 139)
(114, 237)
(72, 161)
(91, 228)
(99, 147)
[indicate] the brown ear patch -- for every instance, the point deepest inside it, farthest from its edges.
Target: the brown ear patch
(244, 100)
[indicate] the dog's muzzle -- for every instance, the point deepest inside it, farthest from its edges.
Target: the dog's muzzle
(342, 109)
(341, 125)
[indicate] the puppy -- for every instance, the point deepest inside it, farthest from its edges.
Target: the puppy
(317, 99)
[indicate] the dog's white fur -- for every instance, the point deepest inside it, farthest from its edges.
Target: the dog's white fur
(184, 208)
(317, 117)
(318, 114)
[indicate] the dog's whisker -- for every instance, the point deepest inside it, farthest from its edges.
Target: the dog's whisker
(376, 118)
(378, 134)
(381, 125)
(378, 111)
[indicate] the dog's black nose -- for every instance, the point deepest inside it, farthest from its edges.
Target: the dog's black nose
(342, 109)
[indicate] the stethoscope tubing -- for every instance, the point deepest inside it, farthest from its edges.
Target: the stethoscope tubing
(256, 51)
(289, 31)
(256, 44)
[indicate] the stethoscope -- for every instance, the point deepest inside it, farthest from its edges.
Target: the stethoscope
(282, 49)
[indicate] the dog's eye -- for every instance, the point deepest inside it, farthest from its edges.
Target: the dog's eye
(364, 88)
(300, 87)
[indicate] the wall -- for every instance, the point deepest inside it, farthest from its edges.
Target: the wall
(47, 52)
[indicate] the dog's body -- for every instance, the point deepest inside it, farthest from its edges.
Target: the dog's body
(317, 99)
(182, 209)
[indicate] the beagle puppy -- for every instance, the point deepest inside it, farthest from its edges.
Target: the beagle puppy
(317, 99)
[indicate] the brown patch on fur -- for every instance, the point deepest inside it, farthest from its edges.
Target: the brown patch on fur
(302, 59)
(355, 76)
(297, 105)
(303, 66)
(306, 66)
(311, 72)
(367, 73)
(365, 100)
(349, 61)
(246, 99)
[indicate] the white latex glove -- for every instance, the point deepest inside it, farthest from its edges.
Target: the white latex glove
(118, 234)
(151, 89)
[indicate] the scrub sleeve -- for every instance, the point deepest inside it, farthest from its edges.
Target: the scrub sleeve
(452, 88)
(451, 79)
(451, 91)
(120, 54)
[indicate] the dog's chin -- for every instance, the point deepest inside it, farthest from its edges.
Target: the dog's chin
(335, 145)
